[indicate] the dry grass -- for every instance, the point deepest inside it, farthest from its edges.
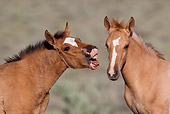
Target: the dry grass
(82, 91)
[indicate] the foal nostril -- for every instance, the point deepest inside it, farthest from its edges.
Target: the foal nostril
(116, 72)
(90, 51)
(87, 55)
(90, 48)
(110, 73)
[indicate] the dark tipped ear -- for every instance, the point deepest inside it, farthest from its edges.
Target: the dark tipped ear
(50, 38)
(67, 30)
(130, 25)
(107, 23)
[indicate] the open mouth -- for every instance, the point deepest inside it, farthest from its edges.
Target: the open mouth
(92, 58)
(93, 63)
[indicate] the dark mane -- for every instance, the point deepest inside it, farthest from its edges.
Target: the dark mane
(59, 34)
(158, 54)
(29, 49)
(32, 48)
(148, 46)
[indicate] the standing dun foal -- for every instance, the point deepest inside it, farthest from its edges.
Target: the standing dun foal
(25, 79)
(145, 72)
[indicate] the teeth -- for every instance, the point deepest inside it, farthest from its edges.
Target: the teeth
(95, 56)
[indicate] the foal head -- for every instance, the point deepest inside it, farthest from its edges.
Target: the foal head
(73, 52)
(117, 45)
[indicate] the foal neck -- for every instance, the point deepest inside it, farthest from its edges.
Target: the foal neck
(141, 62)
(45, 66)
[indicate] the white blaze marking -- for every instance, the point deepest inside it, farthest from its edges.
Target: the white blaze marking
(71, 41)
(114, 54)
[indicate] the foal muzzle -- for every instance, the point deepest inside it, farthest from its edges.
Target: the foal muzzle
(113, 76)
(91, 55)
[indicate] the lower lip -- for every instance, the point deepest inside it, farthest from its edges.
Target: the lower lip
(113, 78)
(94, 65)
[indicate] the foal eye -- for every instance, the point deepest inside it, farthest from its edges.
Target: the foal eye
(66, 48)
(126, 47)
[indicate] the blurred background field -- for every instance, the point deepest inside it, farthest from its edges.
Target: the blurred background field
(23, 22)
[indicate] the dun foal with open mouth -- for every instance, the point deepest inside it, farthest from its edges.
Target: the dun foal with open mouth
(145, 72)
(25, 79)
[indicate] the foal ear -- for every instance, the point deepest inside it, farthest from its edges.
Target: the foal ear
(50, 38)
(107, 23)
(67, 30)
(130, 25)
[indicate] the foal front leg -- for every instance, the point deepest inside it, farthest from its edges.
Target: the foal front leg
(44, 104)
(2, 111)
